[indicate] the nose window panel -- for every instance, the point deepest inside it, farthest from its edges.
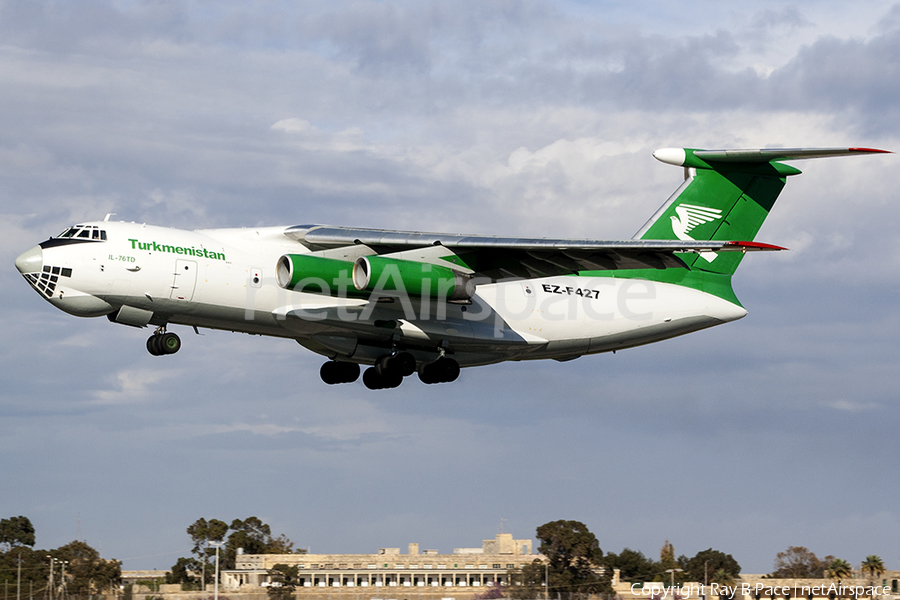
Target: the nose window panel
(84, 233)
(45, 282)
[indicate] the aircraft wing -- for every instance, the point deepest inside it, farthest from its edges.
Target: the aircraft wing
(502, 257)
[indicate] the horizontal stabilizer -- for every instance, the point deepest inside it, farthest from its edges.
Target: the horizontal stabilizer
(687, 157)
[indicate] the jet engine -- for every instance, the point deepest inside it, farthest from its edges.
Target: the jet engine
(314, 274)
(416, 279)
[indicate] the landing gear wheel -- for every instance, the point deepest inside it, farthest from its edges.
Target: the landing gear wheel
(350, 371)
(161, 343)
(169, 343)
(404, 363)
(442, 370)
(334, 372)
(380, 381)
(371, 379)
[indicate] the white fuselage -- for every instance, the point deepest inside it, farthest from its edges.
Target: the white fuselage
(225, 279)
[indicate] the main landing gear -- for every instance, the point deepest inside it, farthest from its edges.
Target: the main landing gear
(442, 370)
(163, 342)
(389, 371)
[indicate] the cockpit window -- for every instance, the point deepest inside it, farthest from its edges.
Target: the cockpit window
(89, 232)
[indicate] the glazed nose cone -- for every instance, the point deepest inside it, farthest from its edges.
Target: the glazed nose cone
(30, 261)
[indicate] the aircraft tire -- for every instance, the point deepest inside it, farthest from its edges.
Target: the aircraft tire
(371, 379)
(386, 379)
(442, 370)
(168, 343)
(333, 372)
(382, 365)
(349, 372)
(428, 373)
(404, 363)
(329, 372)
(450, 370)
(392, 378)
(152, 348)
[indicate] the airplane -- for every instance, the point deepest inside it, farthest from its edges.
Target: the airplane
(404, 302)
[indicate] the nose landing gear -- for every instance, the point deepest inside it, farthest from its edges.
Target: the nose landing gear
(163, 342)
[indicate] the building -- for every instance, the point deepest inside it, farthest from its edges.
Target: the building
(388, 573)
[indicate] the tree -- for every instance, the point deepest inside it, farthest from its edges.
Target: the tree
(574, 557)
(873, 565)
(251, 534)
(282, 545)
(797, 563)
(255, 537)
(86, 572)
(203, 532)
(16, 531)
(527, 582)
(282, 581)
(667, 562)
(839, 569)
(632, 565)
(34, 567)
(706, 562)
(181, 571)
(723, 578)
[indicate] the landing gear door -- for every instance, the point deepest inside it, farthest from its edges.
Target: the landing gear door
(185, 280)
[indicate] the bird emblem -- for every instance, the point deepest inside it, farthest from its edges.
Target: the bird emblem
(689, 216)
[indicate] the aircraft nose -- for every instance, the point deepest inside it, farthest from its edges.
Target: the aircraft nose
(30, 261)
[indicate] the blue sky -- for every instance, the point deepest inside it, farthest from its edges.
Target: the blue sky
(527, 118)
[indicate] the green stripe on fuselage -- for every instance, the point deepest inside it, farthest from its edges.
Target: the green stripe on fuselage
(717, 284)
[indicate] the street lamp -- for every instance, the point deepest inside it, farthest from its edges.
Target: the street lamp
(62, 581)
(217, 545)
(673, 571)
(547, 580)
(50, 583)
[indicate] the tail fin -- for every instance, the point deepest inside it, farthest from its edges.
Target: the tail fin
(727, 194)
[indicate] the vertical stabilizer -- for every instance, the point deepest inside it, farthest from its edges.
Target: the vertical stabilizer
(726, 196)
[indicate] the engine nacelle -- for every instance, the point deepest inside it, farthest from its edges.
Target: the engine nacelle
(315, 274)
(415, 279)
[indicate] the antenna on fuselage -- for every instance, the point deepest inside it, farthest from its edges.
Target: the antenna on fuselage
(108, 215)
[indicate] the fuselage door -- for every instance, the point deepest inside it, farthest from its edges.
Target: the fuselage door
(184, 281)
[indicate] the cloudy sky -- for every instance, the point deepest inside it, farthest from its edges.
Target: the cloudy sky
(506, 117)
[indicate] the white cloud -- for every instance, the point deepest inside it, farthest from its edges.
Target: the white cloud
(132, 386)
(852, 406)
